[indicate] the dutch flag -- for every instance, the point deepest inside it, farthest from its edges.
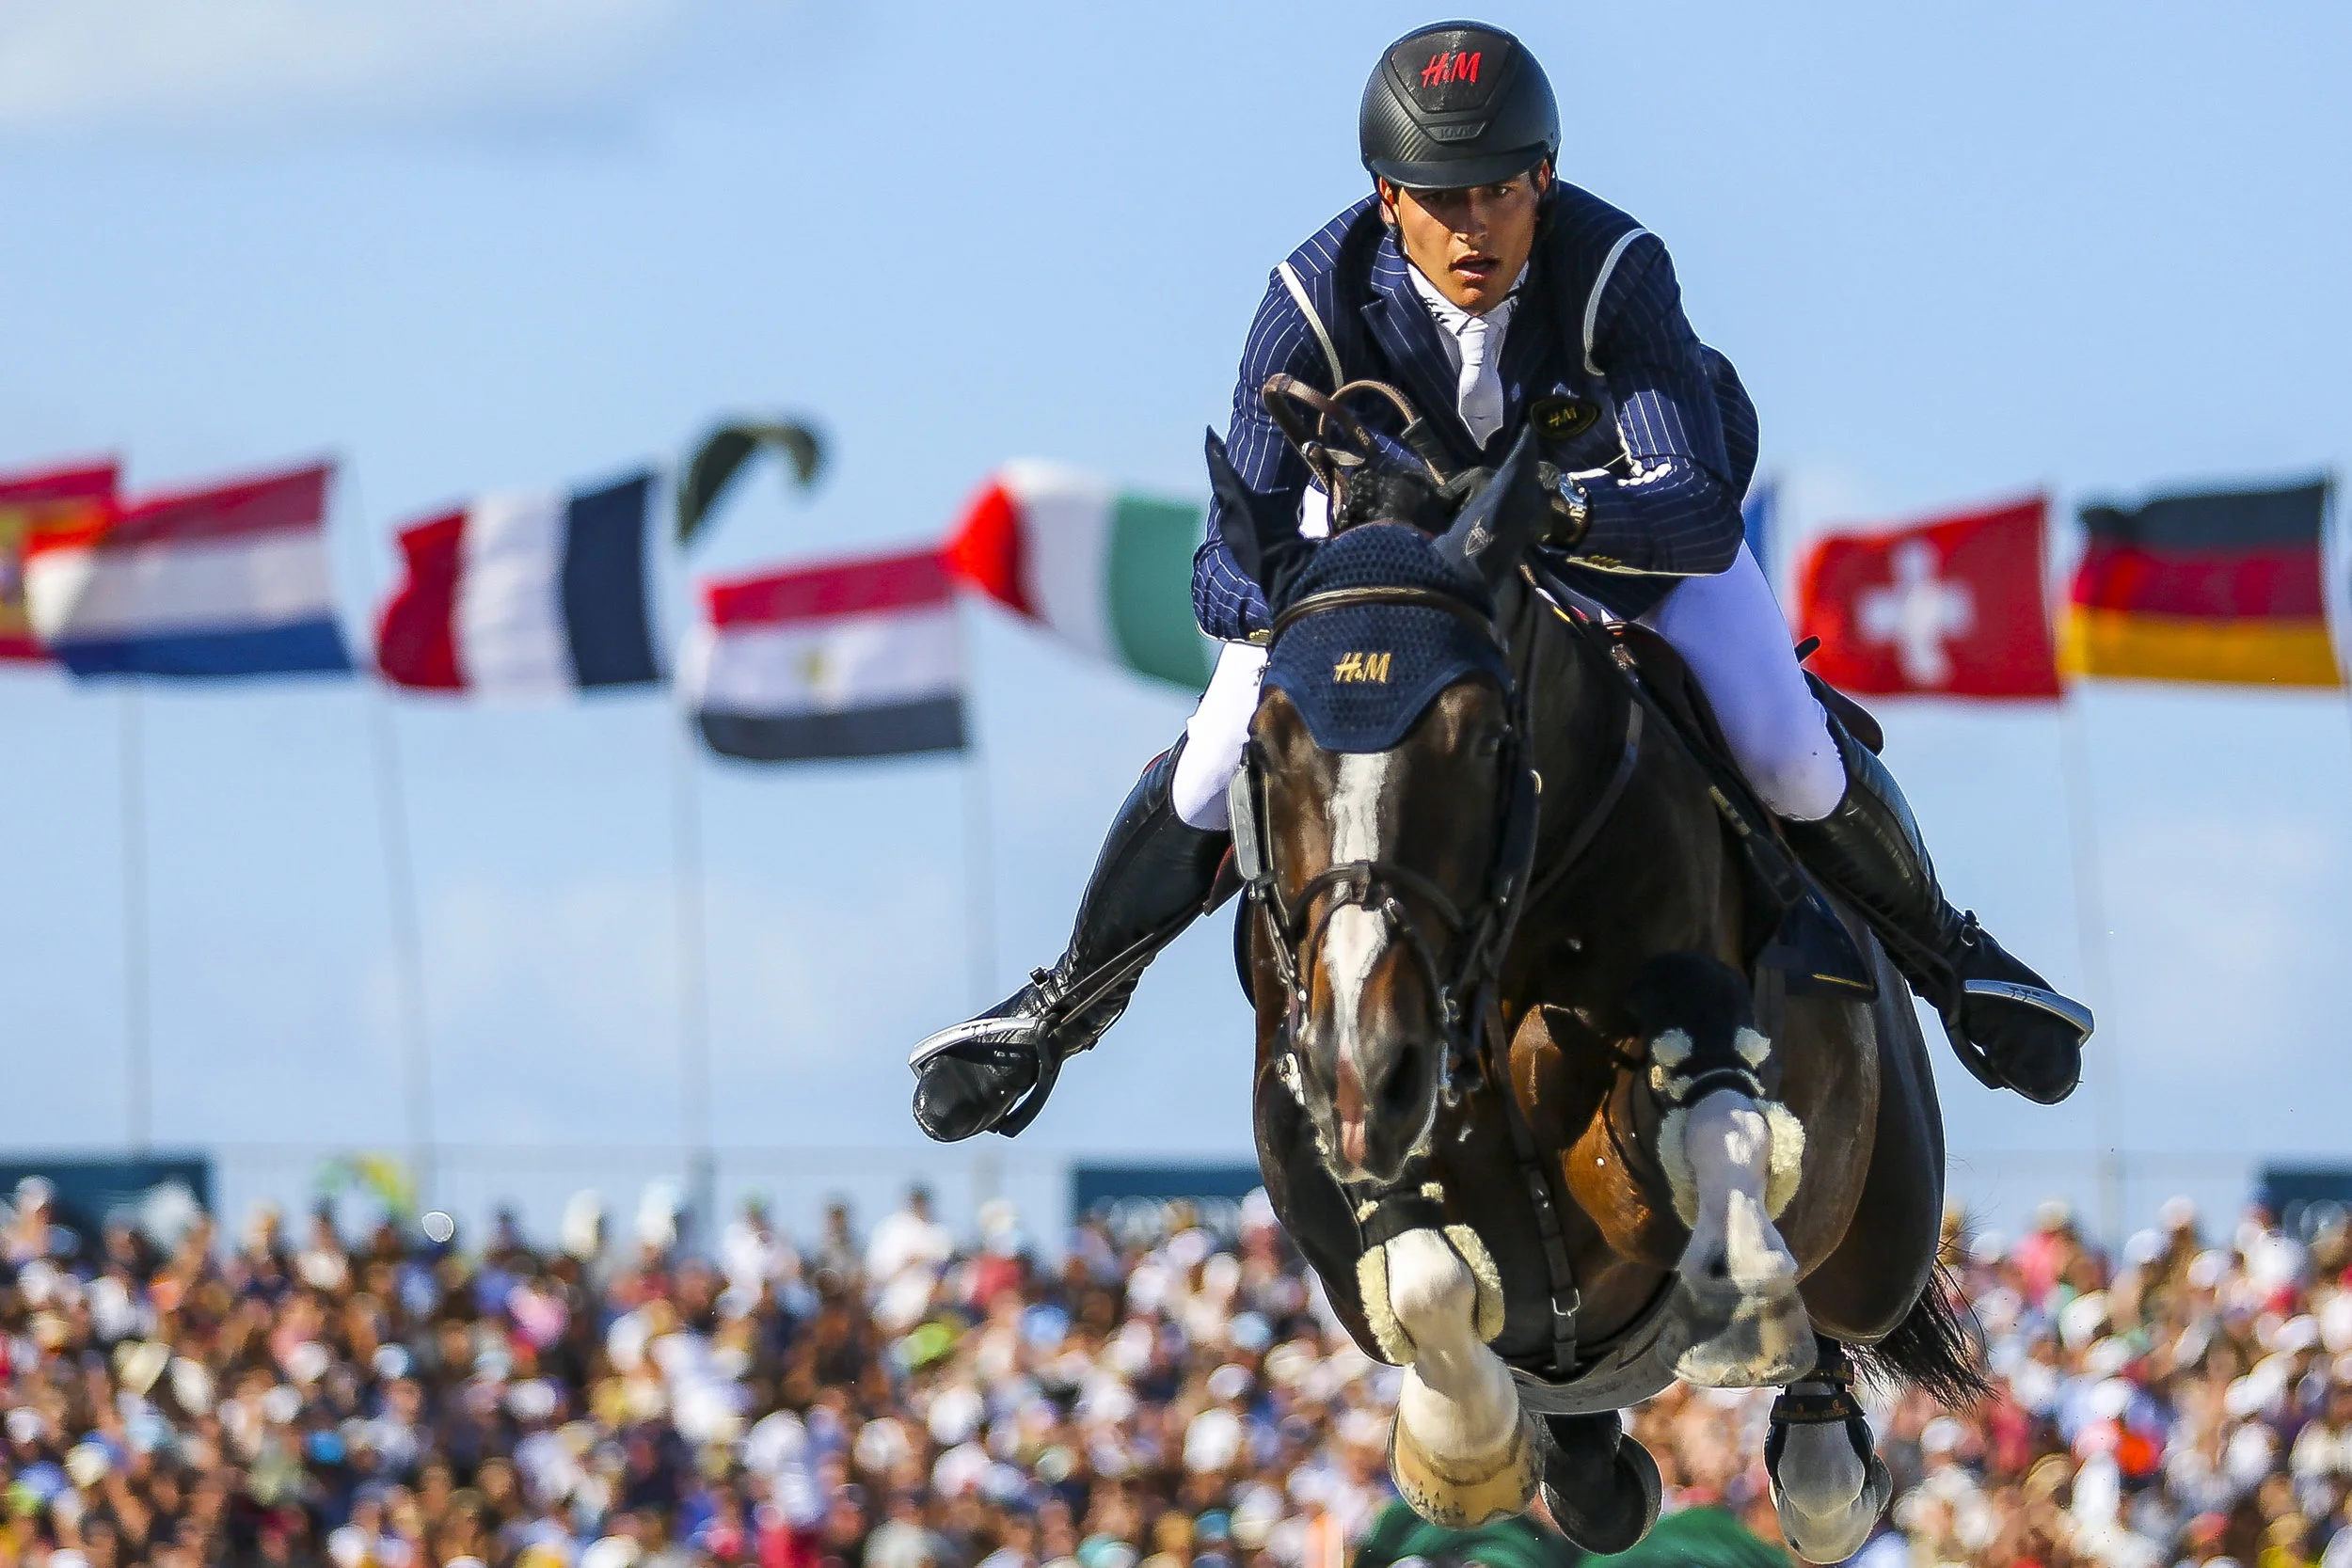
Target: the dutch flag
(230, 580)
(524, 594)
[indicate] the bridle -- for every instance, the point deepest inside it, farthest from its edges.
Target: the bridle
(1410, 903)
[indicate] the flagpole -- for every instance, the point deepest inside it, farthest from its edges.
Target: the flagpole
(138, 1093)
(399, 897)
(2107, 1085)
(979, 881)
(693, 962)
(2105, 1066)
(399, 885)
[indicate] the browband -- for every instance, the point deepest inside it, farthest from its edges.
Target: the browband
(1417, 598)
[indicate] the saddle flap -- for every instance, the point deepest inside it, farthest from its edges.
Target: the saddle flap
(1794, 929)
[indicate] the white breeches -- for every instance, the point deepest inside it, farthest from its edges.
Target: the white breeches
(1726, 627)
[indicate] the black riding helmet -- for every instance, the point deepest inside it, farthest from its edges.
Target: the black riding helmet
(1459, 103)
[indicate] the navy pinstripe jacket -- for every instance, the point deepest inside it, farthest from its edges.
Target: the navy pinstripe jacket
(1599, 318)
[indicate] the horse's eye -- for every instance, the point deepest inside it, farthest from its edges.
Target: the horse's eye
(1490, 746)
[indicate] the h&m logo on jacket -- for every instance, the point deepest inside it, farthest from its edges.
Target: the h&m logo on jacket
(1362, 667)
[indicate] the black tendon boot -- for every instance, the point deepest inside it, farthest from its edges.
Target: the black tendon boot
(2007, 1025)
(1153, 876)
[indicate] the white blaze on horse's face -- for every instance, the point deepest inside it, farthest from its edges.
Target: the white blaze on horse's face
(1353, 944)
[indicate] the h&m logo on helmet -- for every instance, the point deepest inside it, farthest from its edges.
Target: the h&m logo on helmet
(1451, 64)
(1373, 668)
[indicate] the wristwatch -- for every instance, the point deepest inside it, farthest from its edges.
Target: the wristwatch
(1571, 512)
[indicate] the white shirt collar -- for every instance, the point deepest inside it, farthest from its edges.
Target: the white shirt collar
(1452, 316)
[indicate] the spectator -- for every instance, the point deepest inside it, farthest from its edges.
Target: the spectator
(1168, 1399)
(908, 1240)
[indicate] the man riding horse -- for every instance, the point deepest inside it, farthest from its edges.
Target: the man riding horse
(1498, 296)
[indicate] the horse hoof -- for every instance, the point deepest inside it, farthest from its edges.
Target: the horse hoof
(1834, 1537)
(1602, 1485)
(1464, 1494)
(1740, 1340)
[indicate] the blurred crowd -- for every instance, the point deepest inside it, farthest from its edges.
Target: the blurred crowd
(1169, 1395)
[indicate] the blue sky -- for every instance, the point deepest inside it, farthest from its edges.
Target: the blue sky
(1956, 254)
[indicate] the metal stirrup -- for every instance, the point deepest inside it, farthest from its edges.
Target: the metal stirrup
(2048, 1001)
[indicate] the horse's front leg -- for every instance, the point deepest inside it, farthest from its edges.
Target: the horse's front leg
(1732, 1157)
(1463, 1455)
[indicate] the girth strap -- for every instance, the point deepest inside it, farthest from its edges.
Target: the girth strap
(1564, 1297)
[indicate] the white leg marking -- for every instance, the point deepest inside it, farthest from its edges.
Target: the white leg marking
(1729, 1146)
(1738, 1278)
(1820, 1473)
(1458, 1400)
(1828, 1497)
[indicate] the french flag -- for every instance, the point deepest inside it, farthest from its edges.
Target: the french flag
(854, 658)
(230, 580)
(524, 594)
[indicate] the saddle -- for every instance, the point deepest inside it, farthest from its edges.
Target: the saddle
(1801, 941)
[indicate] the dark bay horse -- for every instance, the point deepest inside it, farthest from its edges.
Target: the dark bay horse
(1513, 1098)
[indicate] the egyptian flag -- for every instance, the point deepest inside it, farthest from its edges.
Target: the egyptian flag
(2225, 587)
(854, 658)
(524, 594)
(1108, 572)
(64, 498)
(1948, 607)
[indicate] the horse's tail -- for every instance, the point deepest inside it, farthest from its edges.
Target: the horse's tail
(1936, 1348)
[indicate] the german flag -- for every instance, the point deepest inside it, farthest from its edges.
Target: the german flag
(2220, 587)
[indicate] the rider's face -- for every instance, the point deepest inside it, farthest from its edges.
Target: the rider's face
(1469, 243)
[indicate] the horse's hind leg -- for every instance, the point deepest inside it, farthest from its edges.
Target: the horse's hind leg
(1829, 1488)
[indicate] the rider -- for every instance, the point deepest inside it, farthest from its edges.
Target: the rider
(1494, 294)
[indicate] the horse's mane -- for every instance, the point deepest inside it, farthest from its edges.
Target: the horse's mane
(1387, 491)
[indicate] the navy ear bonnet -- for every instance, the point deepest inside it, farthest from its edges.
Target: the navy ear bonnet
(1360, 677)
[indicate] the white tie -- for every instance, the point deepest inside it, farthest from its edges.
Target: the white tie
(1478, 391)
(1474, 344)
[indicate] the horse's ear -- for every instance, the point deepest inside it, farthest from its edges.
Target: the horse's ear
(1261, 532)
(1497, 525)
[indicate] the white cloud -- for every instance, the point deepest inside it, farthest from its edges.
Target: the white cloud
(170, 64)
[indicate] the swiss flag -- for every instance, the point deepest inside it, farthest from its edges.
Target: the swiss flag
(1948, 608)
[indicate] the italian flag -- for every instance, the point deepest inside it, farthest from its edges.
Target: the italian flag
(1107, 571)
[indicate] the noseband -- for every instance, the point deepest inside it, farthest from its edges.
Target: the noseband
(1480, 934)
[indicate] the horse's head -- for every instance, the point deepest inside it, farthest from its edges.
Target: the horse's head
(1385, 807)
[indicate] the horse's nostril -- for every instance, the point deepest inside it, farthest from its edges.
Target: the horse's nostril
(1401, 1087)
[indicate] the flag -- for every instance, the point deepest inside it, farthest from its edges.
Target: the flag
(855, 658)
(75, 498)
(231, 581)
(524, 594)
(1111, 573)
(1952, 607)
(2221, 587)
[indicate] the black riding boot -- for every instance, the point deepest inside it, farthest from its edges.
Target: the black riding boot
(1153, 876)
(2005, 1023)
